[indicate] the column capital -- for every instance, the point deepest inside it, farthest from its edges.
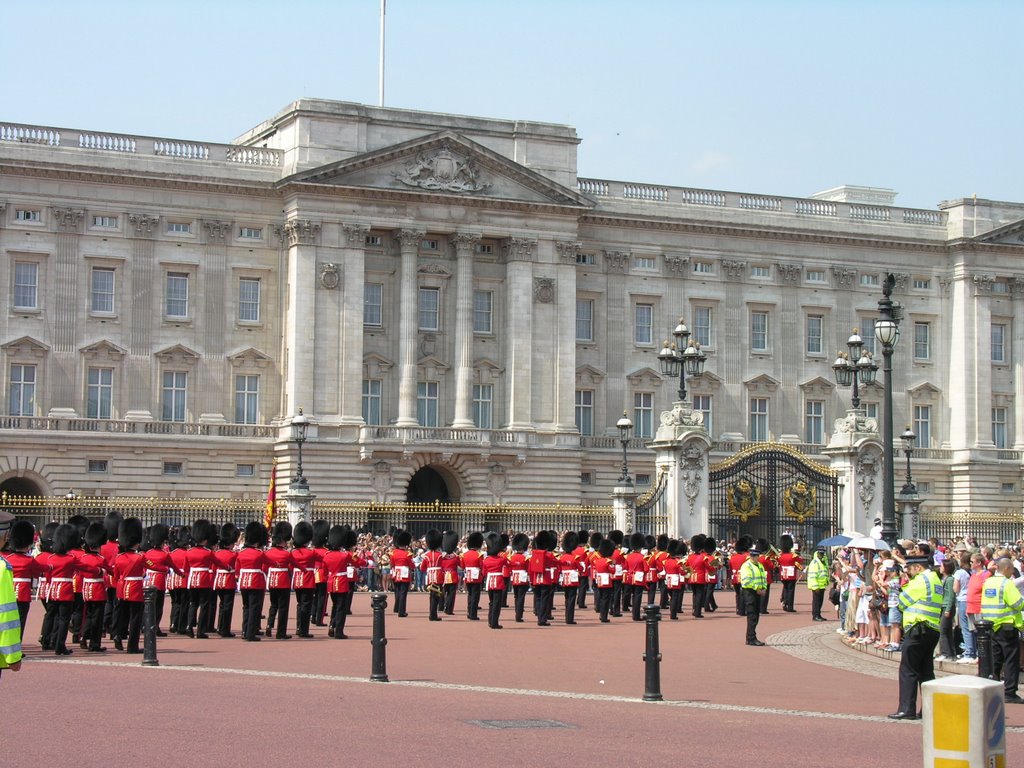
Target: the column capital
(465, 242)
(1016, 285)
(844, 277)
(734, 270)
(519, 249)
(216, 230)
(301, 232)
(902, 281)
(568, 250)
(67, 219)
(355, 234)
(144, 223)
(409, 238)
(676, 263)
(983, 284)
(790, 273)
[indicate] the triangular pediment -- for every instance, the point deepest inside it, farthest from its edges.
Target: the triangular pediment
(26, 346)
(103, 350)
(1008, 234)
(706, 382)
(443, 163)
(250, 357)
(179, 353)
(375, 366)
(589, 375)
(762, 385)
(817, 386)
(644, 377)
(924, 391)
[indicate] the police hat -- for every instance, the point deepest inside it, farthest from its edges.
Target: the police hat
(6, 521)
(925, 561)
(753, 551)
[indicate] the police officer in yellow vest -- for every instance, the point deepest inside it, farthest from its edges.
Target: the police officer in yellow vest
(1001, 603)
(921, 603)
(753, 583)
(817, 582)
(10, 620)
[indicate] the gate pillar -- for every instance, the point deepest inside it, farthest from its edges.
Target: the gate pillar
(681, 449)
(855, 452)
(624, 507)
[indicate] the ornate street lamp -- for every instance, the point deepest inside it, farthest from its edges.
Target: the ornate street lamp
(908, 437)
(682, 359)
(855, 367)
(887, 332)
(625, 428)
(299, 425)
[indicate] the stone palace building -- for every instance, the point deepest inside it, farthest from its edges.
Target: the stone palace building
(461, 316)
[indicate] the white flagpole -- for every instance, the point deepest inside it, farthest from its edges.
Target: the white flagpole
(383, 10)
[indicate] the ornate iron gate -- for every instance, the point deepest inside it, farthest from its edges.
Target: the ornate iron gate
(768, 489)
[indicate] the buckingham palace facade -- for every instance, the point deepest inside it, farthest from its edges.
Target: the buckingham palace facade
(461, 316)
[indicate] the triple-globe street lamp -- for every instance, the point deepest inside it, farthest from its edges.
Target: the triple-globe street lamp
(855, 367)
(683, 358)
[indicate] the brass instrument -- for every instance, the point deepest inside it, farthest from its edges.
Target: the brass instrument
(435, 590)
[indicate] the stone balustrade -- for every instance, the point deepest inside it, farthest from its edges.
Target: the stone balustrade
(74, 140)
(128, 427)
(629, 191)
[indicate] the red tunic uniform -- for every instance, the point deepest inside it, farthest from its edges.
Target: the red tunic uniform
(401, 566)
(129, 571)
(735, 563)
(341, 570)
(109, 551)
(252, 566)
(619, 561)
(43, 561)
(697, 564)
(569, 570)
(450, 568)
(224, 576)
(495, 571)
(279, 568)
(200, 568)
(320, 576)
(542, 567)
(673, 570)
(158, 565)
(517, 569)
(789, 566)
(63, 569)
(769, 566)
(24, 568)
(603, 571)
(636, 569)
(93, 568)
(471, 567)
(177, 578)
(431, 565)
(582, 557)
(304, 560)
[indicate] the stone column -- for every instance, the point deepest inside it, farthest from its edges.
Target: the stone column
(519, 346)
(565, 365)
(143, 286)
(409, 243)
(300, 325)
(855, 453)
(681, 448)
(464, 245)
(982, 353)
(63, 384)
(1017, 334)
(624, 507)
(351, 384)
(298, 503)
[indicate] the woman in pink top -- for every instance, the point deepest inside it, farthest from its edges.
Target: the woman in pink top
(978, 575)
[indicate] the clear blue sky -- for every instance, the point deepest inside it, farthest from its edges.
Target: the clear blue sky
(787, 97)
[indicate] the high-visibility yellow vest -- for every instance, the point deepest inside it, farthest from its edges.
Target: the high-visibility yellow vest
(817, 574)
(752, 575)
(1001, 602)
(10, 619)
(921, 600)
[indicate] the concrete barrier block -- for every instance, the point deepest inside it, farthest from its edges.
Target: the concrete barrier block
(964, 723)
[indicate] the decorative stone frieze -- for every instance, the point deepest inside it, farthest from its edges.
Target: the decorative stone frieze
(734, 270)
(355, 234)
(465, 241)
(442, 171)
(519, 249)
(616, 261)
(844, 277)
(983, 283)
(543, 290)
(409, 238)
(944, 284)
(144, 223)
(902, 281)
(217, 230)
(790, 273)
(1017, 286)
(301, 232)
(67, 219)
(677, 263)
(691, 466)
(568, 250)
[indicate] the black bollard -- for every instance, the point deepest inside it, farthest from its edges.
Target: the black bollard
(380, 664)
(149, 628)
(652, 656)
(983, 637)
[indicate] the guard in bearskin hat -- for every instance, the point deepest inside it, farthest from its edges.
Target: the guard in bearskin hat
(697, 568)
(790, 566)
(603, 567)
(582, 557)
(129, 572)
(200, 579)
(94, 588)
(495, 571)
(305, 562)
(80, 523)
(252, 580)
(635, 579)
(619, 596)
(430, 564)
(111, 525)
(23, 566)
(450, 570)
(736, 561)
(542, 567)
(519, 576)
(712, 562)
(321, 529)
(62, 569)
(470, 562)
(768, 562)
(673, 568)
(656, 569)
(225, 579)
(337, 562)
(570, 573)
(177, 580)
(593, 543)
(279, 579)
(401, 570)
(158, 565)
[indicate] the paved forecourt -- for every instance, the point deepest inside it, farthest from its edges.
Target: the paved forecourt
(471, 694)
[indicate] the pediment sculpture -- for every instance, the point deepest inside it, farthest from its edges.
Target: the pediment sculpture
(442, 171)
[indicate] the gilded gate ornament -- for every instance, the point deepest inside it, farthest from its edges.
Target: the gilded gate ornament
(800, 500)
(744, 500)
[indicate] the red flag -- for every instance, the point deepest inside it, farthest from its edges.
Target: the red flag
(268, 514)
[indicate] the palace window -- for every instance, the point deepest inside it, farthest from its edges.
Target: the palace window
(173, 393)
(702, 404)
(923, 426)
(26, 285)
(24, 214)
(105, 222)
(373, 304)
(426, 403)
(999, 427)
(250, 233)
(814, 422)
(249, 299)
(814, 332)
(372, 401)
(430, 306)
(584, 319)
(179, 227)
(643, 326)
(483, 302)
(643, 414)
(177, 294)
(998, 343)
(585, 411)
(702, 326)
(759, 331)
(102, 294)
(247, 399)
(483, 401)
(922, 341)
(99, 393)
(22, 390)
(758, 431)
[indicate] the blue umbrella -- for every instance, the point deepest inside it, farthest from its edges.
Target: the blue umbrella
(839, 540)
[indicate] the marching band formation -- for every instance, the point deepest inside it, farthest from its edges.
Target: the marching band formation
(90, 577)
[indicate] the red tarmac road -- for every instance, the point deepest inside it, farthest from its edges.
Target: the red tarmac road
(300, 702)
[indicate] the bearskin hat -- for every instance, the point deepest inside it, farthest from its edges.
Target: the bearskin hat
(710, 546)
(81, 522)
(762, 546)
(785, 543)
(302, 534)
(228, 535)
(545, 540)
(158, 533)
(65, 538)
(582, 535)
(520, 542)
(616, 537)
(570, 541)
(23, 532)
(606, 548)
(743, 543)
(336, 537)
(662, 542)
(493, 542)
(255, 534)
(475, 540)
(433, 537)
(349, 538)
(682, 550)
(637, 541)
(202, 532)
(672, 547)
(595, 539)
(46, 537)
(282, 532)
(112, 525)
(504, 541)
(129, 534)
(183, 537)
(402, 539)
(449, 541)
(697, 542)
(650, 543)
(96, 536)
(320, 530)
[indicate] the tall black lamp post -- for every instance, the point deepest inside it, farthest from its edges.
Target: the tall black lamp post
(299, 424)
(887, 332)
(625, 428)
(855, 367)
(908, 437)
(682, 359)
(909, 501)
